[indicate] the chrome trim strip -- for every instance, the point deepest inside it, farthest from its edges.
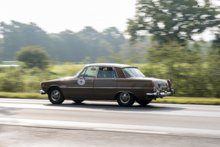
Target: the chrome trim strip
(105, 88)
(134, 87)
(63, 86)
(115, 87)
(80, 87)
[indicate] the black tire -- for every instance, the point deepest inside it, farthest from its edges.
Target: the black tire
(78, 101)
(143, 102)
(55, 96)
(125, 99)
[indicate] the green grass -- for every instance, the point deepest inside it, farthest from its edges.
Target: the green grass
(188, 100)
(173, 100)
(22, 95)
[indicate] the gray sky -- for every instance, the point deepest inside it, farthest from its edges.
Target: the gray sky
(57, 15)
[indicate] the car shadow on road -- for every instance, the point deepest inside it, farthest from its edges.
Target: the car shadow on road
(115, 107)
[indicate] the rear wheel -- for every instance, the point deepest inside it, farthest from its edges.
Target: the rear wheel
(78, 101)
(143, 102)
(55, 96)
(125, 99)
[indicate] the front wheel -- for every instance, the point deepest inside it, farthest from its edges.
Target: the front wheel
(125, 99)
(143, 102)
(55, 96)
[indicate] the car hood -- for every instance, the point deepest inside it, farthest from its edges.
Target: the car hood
(61, 79)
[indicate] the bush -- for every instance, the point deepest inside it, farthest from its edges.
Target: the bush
(194, 72)
(33, 57)
(11, 81)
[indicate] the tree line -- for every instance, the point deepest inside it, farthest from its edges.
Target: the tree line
(67, 46)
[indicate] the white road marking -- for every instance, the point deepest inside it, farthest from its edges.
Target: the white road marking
(53, 107)
(40, 101)
(23, 102)
(79, 125)
(109, 127)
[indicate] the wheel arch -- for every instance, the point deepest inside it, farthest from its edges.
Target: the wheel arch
(117, 93)
(55, 86)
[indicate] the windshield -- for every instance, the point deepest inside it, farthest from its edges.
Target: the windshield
(132, 72)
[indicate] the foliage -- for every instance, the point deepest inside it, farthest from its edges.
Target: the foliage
(197, 79)
(11, 81)
(132, 53)
(101, 60)
(17, 35)
(33, 57)
(193, 72)
(66, 46)
(172, 20)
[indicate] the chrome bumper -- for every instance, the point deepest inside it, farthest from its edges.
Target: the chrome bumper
(42, 92)
(161, 94)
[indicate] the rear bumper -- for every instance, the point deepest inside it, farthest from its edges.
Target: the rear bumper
(42, 91)
(161, 93)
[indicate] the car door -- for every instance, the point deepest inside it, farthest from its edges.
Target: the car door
(82, 86)
(105, 83)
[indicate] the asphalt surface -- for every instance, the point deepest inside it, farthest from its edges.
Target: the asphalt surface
(26, 122)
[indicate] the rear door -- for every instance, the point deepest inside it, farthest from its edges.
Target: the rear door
(105, 83)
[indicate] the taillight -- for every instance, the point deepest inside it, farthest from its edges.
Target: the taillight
(153, 83)
(170, 82)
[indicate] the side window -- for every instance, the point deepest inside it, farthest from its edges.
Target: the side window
(91, 72)
(83, 72)
(107, 72)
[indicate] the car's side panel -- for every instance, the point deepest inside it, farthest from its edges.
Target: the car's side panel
(75, 90)
(105, 88)
(137, 87)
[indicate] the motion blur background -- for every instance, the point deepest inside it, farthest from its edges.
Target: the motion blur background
(170, 39)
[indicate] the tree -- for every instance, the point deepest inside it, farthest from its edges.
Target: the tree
(33, 57)
(17, 35)
(216, 43)
(1, 49)
(114, 37)
(172, 20)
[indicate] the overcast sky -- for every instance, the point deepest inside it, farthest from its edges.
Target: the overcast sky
(55, 16)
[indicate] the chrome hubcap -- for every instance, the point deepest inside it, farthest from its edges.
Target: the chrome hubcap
(55, 95)
(125, 97)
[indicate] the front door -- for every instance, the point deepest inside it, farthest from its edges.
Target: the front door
(82, 86)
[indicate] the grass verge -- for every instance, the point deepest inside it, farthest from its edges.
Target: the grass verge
(172, 100)
(23, 95)
(188, 100)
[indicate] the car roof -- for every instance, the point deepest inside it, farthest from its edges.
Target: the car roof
(110, 65)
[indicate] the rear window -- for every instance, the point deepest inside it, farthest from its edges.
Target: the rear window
(132, 72)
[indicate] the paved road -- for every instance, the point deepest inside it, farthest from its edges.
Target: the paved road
(37, 123)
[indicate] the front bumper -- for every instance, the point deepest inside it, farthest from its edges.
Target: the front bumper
(161, 93)
(42, 91)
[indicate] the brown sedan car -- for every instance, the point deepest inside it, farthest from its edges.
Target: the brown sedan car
(104, 81)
